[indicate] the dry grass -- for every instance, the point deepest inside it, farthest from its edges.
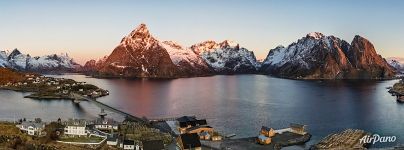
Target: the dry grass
(399, 87)
(8, 75)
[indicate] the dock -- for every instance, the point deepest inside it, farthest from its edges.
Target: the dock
(348, 139)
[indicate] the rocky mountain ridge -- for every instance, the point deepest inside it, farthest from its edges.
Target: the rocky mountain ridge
(315, 56)
(43, 64)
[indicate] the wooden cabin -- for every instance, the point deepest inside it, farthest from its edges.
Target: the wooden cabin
(298, 128)
(266, 131)
(189, 142)
(261, 139)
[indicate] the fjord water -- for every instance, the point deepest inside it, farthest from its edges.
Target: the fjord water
(238, 104)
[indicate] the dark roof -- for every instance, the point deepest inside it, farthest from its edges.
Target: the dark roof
(183, 124)
(128, 142)
(153, 145)
(201, 122)
(192, 121)
(186, 119)
(265, 128)
(110, 138)
(190, 140)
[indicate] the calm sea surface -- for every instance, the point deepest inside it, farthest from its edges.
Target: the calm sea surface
(238, 104)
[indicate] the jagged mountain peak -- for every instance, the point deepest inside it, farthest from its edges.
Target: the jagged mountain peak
(140, 34)
(320, 56)
(229, 43)
(210, 45)
(14, 53)
(173, 44)
(315, 35)
(142, 28)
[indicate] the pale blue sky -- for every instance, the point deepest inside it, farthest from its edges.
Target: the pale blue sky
(90, 29)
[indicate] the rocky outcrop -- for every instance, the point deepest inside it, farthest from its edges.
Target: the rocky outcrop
(327, 57)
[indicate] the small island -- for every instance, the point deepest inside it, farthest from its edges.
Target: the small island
(43, 87)
(398, 90)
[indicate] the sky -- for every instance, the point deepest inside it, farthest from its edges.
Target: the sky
(91, 29)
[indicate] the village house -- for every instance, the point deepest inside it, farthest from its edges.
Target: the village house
(33, 128)
(127, 145)
(199, 129)
(189, 141)
(65, 91)
(298, 128)
(264, 140)
(186, 122)
(75, 127)
(205, 136)
(266, 131)
(265, 135)
(112, 140)
(106, 124)
(216, 138)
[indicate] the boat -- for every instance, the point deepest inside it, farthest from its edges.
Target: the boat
(76, 101)
(230, 135)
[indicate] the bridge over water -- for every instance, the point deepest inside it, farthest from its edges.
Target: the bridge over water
(109, 108)
(143, 120)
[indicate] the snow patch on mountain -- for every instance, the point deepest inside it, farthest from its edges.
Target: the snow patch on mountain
(395, 63)
(50, 61)
(23, 62)
(300, 52)
(179, 54)
(3, 59)
(226, 56)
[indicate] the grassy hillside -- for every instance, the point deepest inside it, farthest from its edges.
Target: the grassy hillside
(8, 75)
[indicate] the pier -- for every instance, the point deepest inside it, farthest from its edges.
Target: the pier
(109, 108)
(348, 139)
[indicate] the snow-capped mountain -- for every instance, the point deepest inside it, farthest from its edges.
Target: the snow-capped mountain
(140, 55)
(17, 60)
(186, 60)
(92, 66)
(227, 57)
(395, 63)
(3, 59)
(48, 63)
(317, 56)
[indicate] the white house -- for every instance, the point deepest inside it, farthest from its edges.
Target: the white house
(112, 140)
(76, 127)
(105, 124)
(31, 127)
(127, 145)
